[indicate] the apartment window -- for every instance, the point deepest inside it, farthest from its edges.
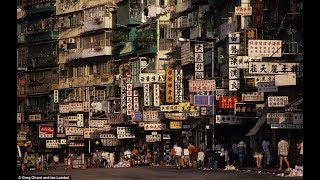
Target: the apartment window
(100, 95)
(21, 57)
(162, 33)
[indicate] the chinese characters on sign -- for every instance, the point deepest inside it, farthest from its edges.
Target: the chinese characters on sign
(253, 96)
(267, 87)
(272, 68)
(227, 102)
(151, 78)
(198, 61)
(123, 130)
(56, 96)
(146, 93)
(277, 101)
(243, 11)
(279, 118)
(175, 124)
(129, 99)
(178, 85)
(245, 109)
(156, 95)
(153, 138)
(234, 85)
(53, 143)
(202, 85)
(169, 85)
(150, 116)
(135, 100)
(123, 102)
(265, 48)
(249, 33)
(168, 108)
(228, 119)
(154, 126)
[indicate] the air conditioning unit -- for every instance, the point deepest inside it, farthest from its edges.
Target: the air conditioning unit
(72, 40)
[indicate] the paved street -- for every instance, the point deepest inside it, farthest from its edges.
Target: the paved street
(162, 173)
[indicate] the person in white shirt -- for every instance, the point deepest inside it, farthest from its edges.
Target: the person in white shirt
(127, 154)
(111, 159)
(186, 156)
(178, 155)
(200, 159)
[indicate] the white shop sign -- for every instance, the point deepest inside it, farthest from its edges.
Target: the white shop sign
(277, 101)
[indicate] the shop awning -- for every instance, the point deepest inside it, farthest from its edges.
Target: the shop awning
(257, 126)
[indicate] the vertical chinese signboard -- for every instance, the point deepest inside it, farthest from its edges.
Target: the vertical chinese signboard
(169, 86)
(146, 96)
(198, 62)
(178, 86)
(135, 100)
(156, 95)
(249, 33)
(129, 99)
(123, 102)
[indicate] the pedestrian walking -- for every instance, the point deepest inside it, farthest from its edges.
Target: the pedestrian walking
(283, 151)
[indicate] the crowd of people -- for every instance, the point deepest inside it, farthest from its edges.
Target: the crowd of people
(185, 155)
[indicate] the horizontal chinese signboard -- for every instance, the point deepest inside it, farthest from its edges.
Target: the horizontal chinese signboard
(154, 126)
(261, 78)
(227, 102)
(151, 77)
(125, 136)
(35, 117)
(267, 87)
(186, 107)
(202, 85)
(53, 143)
(168, 108)
(277, 101)
(123, 130)
(74, 131)
(153, 138)
(253, 96)
(264, 48)
(107, 136)
(272, 68)
(228, 119)
(279, 118)
(150, 116)
(286, 126)
(289, 79)
(245, 109)
(175, 124)
(243, 11)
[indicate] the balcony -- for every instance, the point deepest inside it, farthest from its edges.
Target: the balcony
(41, 36)
(165, 44)
(33, 89)
(48, 10)
(73, 54)
(68, 6)
(97, 51)
(97, 23)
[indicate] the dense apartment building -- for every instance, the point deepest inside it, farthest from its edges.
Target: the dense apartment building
(37, 74)
(112, 72)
